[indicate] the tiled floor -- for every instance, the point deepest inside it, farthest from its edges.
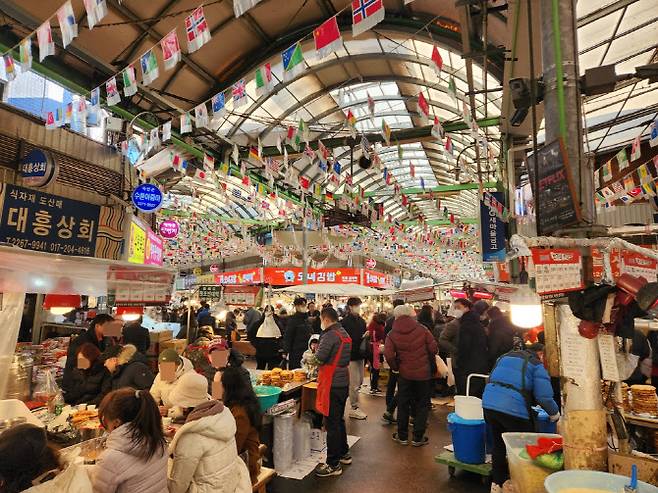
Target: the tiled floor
(382, 466)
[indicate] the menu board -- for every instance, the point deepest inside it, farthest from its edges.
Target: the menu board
(608, 353)
(557, 270)
(557, 206)
(637, 264)
(210, 292)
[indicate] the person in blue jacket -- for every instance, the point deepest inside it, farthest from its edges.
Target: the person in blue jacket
(517, 382)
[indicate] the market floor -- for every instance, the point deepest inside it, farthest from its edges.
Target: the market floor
(381, 465)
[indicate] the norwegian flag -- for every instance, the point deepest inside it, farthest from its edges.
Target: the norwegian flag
(366, 14)
(197, 30)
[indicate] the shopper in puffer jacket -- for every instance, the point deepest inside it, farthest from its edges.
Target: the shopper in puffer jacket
(203, 454)
(297, 333)
(135, 455)
(161, 389)
(410, 349)
(129, 369)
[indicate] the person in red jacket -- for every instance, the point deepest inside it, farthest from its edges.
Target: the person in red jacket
(375, 338)
(410, 349)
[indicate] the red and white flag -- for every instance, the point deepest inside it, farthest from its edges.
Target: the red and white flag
(96, 10)
(437, 61)
(371, 105)
(423, 105)
(208, 163)
(171, 52)
(636, 148)
(45, 39)
(366, 14)
(197, 30)
(327, 38)
(200, 174)
(437, 129)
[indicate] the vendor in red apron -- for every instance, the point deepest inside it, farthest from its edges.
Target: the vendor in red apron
(333, 359)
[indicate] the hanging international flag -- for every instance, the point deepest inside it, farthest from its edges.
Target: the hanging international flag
(241, 6)
(235, 154)
(149, 65)
(185, 123)
(96, 10)
(327, 38)
(622, 159)
(400, 152)
(644, 174)
(264, 82)
(423, 105)
(437, 129)
(67, 24)
(208, 163)
(629, 183)
(285, 159)
(253, 154)
(653, 133)
(303, 131)
(68, 113)
(649, 189)
(448, 145)
(606, 171)
(304, 182)
(25, 54)
(50, 120)
(45, 39)
(386, 132)
(437, 61)
(59, 117)
(351, 123)
(422, 183)
(154, 138)
(10, 67)
(366, 14)
(412, 170)
(200, 174)
(129, 81)
(387, 176)
(279, 143)
(95, 97)
(171, 52)
(636, 148)
(239, 93)
(197, 30)
(113, 97)
(293, 61)
(452, 89)
(371, 105)
(218, 105)
(201, 116)
(166, 131)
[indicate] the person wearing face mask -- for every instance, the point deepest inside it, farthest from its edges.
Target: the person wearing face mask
(297, 334)
(265, 336)
(471, 346)
(90, 380)
(355, 326)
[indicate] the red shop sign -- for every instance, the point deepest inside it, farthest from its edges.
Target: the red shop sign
(376, 279)
(292, 276)
(239, 277)
(557, 270)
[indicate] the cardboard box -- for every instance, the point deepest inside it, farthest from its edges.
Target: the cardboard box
(160, 335)
(647, 469)
(318, 440)
(178, 344)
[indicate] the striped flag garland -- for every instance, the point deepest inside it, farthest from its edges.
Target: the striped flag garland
(25, 54)
(293, 61)
(113, 97)
(197, 30)
(129, 81)
(185, 123)
(45, 40)
(327, 38)
(351, 123)
(149, 65)
(96, 10)
(67, 24)
(10, 67)
(264, 81)
(239, 93)
(201, 116)
(171, 52)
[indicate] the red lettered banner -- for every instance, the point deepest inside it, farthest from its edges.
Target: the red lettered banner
(239, 277)
(557, 270)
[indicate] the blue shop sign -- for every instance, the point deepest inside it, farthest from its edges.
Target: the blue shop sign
(147, 197)
(492, 230)
(37, 168)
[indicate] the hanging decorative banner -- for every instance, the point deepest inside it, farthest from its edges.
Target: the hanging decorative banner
(197, 30)
(67, 24)
(437, 129)
(240, 277)
(241, 6)
(327, 38)
(45, 40)
(166, 131)
(622, 160)
(185, 123)
(636, 148)
(113, 97)
(264, 81)
(386, 132)
(557, 270)
(96, 10)
(218, 105)
(492, 230)
(653, 133)
(239, 93)
(147, 198)
(149, 65)
(423, 105)
(10, 68)
(25, 54)
(366, 14)
(437, 61)
(293, 61)
(201, 115)
(171, 52)
(452, 89)
(129, 81)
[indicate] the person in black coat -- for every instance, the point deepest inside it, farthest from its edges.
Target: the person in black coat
(90, 380)
(129, 368)
(137, 335)
(500, 334)
(297, 334)
(471, 347)
(268, 346)
(94, 335)
(355, 326)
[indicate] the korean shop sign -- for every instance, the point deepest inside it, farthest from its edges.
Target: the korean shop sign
(37, 168)
(47, 223)
(147, 197)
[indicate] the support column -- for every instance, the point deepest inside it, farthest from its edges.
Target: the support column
(584, 422)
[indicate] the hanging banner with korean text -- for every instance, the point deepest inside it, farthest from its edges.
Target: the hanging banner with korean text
(492, 229)
(557, 270)
(48, 223)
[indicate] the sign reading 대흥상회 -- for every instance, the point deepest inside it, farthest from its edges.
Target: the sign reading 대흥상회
(38, 168)
(47, 223)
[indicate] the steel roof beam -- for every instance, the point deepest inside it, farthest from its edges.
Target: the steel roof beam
(603, 12)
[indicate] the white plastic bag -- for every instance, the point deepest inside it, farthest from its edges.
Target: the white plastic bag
(441, 367)
(451, 375)
(627, 363)
(269, 329)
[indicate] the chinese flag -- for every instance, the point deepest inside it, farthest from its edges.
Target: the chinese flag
(423, 105)
(327, 37)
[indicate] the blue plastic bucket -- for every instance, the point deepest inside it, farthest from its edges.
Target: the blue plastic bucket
(468, 439)
(267, 396)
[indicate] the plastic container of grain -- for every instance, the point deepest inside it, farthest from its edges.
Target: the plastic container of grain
(527, 476)
(591, 481)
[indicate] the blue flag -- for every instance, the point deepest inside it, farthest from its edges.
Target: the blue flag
(218, 103)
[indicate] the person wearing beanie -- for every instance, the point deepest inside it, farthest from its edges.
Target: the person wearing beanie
(203, 455)
(30, 464)
(471, 346)
(171, 367)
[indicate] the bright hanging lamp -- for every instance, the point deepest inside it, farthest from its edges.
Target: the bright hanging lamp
(526, 308)
(60, 304)
(130, 313)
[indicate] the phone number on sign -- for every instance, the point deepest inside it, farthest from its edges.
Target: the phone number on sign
(44, 246)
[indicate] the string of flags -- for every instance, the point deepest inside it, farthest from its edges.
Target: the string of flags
(639, 183)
